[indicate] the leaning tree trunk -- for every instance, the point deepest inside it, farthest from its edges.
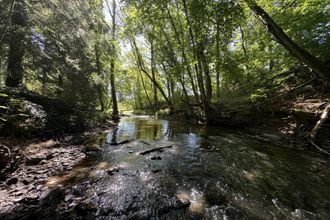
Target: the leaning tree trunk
(301, 54)
(16, 46)
(143, 69)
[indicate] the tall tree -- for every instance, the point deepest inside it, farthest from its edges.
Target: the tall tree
(113, 58)
(16, 45)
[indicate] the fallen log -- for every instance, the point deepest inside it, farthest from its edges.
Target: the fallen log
(115, 143)
(313, 133)
(159, 149)
(324, 117)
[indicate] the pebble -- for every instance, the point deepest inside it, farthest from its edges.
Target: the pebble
(68, 198)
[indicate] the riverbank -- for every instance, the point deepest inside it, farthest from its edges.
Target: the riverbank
(26, 187)
(288, 116)
(28, 166)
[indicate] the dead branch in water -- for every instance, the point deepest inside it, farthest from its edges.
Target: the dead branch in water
(122, 142)
(159, 149)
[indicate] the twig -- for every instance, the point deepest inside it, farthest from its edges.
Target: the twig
(318, 148)
(25, 155)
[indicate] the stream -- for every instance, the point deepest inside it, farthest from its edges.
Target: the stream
(205, 173)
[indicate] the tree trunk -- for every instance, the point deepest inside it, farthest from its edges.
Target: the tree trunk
(99, 71)
(142, 68)
(185, 59)
(153, 75)
(145, 90)
(16, 46)
(301, 54)
(217, 65)
(207, 75)
(112, 63)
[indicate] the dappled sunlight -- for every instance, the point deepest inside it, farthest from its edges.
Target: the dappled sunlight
(154, 109)
(76, 175)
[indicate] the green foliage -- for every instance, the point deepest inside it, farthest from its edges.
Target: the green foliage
(199, 53)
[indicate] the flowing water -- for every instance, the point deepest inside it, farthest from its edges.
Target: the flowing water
(209, 173)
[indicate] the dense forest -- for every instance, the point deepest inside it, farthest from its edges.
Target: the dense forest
(67, 67)
(150, 56)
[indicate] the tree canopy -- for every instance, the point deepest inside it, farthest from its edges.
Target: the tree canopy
(199, 56)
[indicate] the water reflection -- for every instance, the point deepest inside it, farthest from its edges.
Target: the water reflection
(140, 127)
(225, 174)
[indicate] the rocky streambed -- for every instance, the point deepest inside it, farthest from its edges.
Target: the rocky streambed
(26, 190)
(68, 182)
(157, 169)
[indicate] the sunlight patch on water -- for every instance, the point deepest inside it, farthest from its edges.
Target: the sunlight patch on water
(251, 175)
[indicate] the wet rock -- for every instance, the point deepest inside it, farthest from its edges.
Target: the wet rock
(43, 162)
(41, 171)
(33, 196)
(66, 164)
(196, 208)
(19, 193)
(12, 181)
(182, 200)
(19, 199)
(68, 198)
(35, 159)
